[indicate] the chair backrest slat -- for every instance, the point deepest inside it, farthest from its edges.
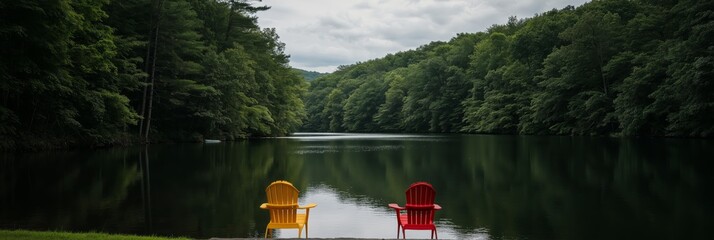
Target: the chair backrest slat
(284, 196)
(420, 203)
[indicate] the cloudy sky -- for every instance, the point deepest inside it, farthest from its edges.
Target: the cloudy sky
(322, 34)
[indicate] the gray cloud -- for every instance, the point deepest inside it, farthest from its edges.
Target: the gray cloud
(323, 34)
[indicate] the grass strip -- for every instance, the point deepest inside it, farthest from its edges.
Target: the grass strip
(41, 235)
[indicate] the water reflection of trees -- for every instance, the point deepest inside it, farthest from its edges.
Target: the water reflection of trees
(187, 190)
(68, 190)
(215, 190)
(540, 187)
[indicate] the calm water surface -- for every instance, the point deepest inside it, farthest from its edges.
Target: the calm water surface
(490, 187)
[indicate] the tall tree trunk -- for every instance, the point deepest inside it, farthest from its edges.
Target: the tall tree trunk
(146, 69)
(597, 45)
(150, 68)
(602, 73)
(230, 22)
(151, 86)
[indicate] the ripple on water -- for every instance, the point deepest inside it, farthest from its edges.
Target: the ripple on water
(348, 148)
(357, 136)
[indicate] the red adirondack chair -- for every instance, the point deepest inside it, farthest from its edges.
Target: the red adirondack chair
(420, 209)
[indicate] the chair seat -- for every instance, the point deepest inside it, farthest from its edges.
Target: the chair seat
(404, 219)
(299, 222)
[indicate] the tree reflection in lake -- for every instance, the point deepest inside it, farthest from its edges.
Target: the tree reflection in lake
(494, 187)
(79, 191)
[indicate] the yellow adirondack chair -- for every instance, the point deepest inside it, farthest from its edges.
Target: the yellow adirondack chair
(283, 205)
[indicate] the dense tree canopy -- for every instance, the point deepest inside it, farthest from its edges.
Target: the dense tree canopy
(637, 67)
(98, 71)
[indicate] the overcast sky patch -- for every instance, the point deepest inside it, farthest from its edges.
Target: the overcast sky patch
(321, 35)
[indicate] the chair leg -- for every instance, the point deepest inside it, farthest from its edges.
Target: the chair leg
(432, 234)
(266, 232)
(299, 232)
(404, 234)
(306, 231)
(398, 228)
(436, 234)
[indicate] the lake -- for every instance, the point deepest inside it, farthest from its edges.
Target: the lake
(490, 187)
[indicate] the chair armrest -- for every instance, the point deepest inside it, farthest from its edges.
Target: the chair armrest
(437, 207)
(278, 206)
(309, 205)
(396, 206)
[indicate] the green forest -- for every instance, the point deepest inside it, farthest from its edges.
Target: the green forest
(101, 73)
(610, 67)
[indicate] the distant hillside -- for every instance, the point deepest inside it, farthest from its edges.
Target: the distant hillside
(309, 75)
